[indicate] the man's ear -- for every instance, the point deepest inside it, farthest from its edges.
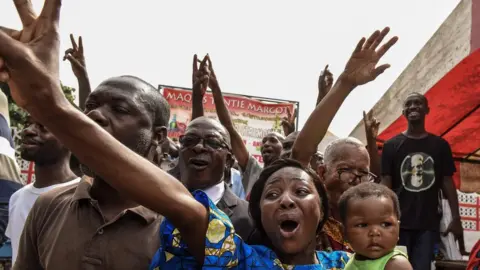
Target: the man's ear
(321, 170)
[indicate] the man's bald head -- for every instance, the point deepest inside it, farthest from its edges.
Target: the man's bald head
(154, 101)
(335, 149)
(210, 124)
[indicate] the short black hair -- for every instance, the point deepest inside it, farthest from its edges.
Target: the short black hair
(258, 187)
(363, 191)
(425, 100)
(154, 101)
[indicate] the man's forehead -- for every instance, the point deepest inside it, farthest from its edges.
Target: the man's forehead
(130, 95)
(347, 152)
(415, 97)
(207, 126)
(276, 135)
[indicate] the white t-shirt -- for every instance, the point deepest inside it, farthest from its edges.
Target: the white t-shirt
(19, 206)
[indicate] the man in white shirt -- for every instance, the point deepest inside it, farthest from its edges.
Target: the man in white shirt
(52, 170)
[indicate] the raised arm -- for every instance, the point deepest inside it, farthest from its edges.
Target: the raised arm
(371, 132)
(77, 59)
(360, 69)
(238, 147)
(33, 75)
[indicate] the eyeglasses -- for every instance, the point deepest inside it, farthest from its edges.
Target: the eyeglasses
(350, 177)
(190, 141)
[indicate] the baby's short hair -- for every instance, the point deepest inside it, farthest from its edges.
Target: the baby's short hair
(363, 191)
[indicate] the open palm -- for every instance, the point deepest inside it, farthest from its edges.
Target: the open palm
(362, 67)
(32, 50)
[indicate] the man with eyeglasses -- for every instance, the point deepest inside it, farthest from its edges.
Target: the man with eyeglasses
(204, 157)
(346, 164)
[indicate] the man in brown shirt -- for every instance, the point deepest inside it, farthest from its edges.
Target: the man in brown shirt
(92, 226)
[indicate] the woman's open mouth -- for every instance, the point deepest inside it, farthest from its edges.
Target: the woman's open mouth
(288, 228)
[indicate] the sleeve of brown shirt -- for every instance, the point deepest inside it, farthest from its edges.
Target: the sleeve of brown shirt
(27, 257)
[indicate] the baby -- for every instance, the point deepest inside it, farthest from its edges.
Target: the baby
(370, 214)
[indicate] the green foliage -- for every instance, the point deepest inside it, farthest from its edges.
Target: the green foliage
(18, 115)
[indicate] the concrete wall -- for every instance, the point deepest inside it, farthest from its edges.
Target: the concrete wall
(447, 47)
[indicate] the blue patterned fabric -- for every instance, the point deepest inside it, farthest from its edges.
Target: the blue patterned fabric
(225, 249)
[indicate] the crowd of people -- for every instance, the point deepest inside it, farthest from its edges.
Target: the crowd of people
(112, 191)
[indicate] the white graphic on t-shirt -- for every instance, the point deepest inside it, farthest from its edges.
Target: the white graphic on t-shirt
(417, 172)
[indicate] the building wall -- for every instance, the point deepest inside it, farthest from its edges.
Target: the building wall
(447, 47)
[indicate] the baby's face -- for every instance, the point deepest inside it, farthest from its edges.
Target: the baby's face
(372, 226)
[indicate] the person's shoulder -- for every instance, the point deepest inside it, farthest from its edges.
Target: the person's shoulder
(19, 193)
(437, 139)
(398, 262)
(55, 196)
(395, 139)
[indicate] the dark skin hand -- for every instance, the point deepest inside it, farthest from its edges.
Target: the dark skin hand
(288, 123)
(360, 69)
(200, 78)
(372, 126)
(76, 58)
(325, 83)
(29, 63)
(238, 147)
(450, 192)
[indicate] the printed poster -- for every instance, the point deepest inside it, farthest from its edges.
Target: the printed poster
(252, 118)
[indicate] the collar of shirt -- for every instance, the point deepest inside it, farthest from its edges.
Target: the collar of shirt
(82, 192)
(215, 193)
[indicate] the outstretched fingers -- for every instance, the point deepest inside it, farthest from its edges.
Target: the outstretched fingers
(379, 70)
(385, 47)
(51, 11)
(379, 38)
(80, 44)
(195, 67)
(74, 43)
(359, 46)
(371, 39)
(210, 66)
(25, 11)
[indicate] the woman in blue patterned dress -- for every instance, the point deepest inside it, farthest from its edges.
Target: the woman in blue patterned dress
(289, 205)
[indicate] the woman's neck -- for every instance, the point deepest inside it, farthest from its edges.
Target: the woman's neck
(306, 257)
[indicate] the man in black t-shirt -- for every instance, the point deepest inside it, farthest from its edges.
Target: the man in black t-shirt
(417, 165)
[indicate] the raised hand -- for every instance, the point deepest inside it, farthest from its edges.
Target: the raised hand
(212, 82)
(200, 76)
(325, 81)
(76, 57)
(29, 57)
(371, 124)
(288, 123)
(362, 67)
